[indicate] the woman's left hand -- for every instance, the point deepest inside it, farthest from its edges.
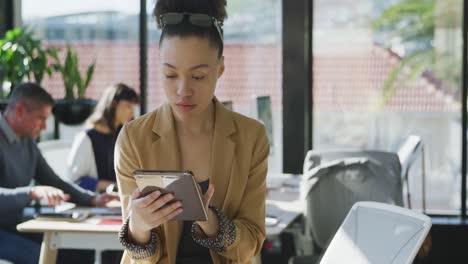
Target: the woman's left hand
(209, 227)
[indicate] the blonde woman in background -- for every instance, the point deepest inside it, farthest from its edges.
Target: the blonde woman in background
(91, 160)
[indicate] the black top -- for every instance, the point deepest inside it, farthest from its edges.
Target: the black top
(190, 252)
(103, 148)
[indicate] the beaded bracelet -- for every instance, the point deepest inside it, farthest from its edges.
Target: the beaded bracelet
(225, 237)
(137, 251)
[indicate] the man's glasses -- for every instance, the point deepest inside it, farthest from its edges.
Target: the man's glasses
(201, 20)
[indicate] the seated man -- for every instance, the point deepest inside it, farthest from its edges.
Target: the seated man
(20, 162)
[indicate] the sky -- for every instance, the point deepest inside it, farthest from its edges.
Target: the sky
(43, 8)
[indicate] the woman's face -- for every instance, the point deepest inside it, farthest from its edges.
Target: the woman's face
(190, 68)
(124, 112)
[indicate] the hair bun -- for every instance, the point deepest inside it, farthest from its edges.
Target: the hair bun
(214, 8)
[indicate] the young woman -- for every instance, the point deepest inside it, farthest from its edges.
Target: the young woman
(91, 160)
(227, 152)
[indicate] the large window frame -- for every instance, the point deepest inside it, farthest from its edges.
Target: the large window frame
(297, 83)
(464, 109)
(6, 18)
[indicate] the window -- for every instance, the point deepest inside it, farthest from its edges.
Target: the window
(117, 61)
(355, 104)
(252, 53)
(105, 32)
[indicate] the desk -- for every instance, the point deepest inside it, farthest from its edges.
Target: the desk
(282, 202)
(285, 212)
(88, 234)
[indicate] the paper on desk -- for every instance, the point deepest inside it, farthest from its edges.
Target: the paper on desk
(63, 206)
(110, 221)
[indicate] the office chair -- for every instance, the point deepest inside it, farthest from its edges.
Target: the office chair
(378, 233)
(407, 151)
(55, 152)
(333, 182)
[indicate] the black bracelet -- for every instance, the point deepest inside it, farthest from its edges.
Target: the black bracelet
(137, 251)
(226, 233)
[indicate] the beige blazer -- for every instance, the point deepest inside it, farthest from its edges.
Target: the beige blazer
(238, 169)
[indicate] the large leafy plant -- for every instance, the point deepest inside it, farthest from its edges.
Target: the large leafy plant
(413, 23)
(75, 84)
(22, 56)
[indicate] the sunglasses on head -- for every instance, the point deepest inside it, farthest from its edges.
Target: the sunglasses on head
(201, 20)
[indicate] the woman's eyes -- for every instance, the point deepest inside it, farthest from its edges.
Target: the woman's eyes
(198, 77)
(195, 77)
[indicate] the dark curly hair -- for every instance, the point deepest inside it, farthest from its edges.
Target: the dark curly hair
(214, 8)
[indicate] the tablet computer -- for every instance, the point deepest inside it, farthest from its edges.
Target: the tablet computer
(180, 183)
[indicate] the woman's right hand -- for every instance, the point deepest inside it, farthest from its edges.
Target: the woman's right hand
(148, 213)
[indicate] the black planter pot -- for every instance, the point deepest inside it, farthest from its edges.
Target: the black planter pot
(73, 112)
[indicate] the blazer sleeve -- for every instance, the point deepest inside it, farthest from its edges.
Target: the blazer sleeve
(250, 220)
(126, 161)
(81, 161)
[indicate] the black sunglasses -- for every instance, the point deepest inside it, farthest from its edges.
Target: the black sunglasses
(201, 20)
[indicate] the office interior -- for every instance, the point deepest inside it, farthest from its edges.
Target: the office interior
(331, 80)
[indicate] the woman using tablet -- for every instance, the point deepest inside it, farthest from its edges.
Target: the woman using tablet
(227, 152)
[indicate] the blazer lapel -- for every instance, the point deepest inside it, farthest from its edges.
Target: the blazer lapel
(222, 154)
(166, 146)
(167, 157)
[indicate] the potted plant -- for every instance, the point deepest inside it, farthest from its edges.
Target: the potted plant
(21, 56)
(74, 108)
